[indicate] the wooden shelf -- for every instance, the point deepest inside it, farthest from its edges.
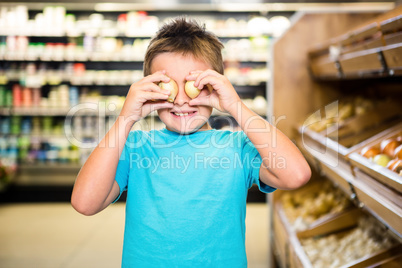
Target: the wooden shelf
(381, 201)
(337, 57)
(370, 51)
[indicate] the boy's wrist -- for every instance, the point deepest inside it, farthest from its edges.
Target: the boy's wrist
(236, 109)
(127, 120)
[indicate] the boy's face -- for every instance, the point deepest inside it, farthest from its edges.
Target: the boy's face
(182, 118)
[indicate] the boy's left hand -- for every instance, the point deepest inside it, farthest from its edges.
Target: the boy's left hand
(223, 97)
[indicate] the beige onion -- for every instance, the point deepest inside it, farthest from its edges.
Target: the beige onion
(172, 86)
(193, 91)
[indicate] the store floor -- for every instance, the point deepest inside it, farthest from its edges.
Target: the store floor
(54, 235)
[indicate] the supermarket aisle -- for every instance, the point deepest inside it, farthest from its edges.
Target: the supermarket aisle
(54, 235)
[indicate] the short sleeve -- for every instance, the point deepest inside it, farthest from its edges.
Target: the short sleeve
(252, 160)
(123, 167)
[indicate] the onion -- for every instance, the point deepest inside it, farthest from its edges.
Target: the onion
(193, 91)
(172, 86)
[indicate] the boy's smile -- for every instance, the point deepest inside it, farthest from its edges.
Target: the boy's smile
(183, 114)
(182, 118)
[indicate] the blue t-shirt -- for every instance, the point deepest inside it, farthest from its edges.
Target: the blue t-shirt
(186, 198)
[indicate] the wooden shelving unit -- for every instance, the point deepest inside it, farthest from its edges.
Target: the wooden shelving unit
(320, 60)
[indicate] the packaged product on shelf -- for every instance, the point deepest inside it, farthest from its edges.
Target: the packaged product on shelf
(26, 125)
(63, 96)
(36, 97)
(259, 25)
(2, 96)
(260, 104)
(63, 154)
(23, 147)
(6, 96)
(26, 97)
(5, 125)
(58, 52)
(10, 152)
(51, 153)
(47, 123)
(15, 127)
(17, 95)
(36, 126)
(73, 96)
(3, 47)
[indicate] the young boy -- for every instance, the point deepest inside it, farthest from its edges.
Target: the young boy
(187, 183)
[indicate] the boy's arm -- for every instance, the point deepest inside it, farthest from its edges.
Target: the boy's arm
(283, 167)
(95, 186)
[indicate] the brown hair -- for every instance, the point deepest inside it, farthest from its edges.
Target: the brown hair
(185, 36)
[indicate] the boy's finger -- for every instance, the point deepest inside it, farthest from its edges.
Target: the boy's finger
(204, 101)
(196, 72)
(207, 81)
(203, 75)
(155, 96)
(159, 76)
(152, 87)
(193, 75)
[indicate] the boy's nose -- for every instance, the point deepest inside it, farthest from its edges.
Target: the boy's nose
(181, 97)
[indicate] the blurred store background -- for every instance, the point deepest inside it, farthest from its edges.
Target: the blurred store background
(65, 72)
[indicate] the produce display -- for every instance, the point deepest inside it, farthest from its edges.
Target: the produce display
(336, 250)
(302, 207)
(338, 113)
(388, 153)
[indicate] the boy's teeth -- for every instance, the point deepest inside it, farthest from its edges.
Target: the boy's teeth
(181, 114)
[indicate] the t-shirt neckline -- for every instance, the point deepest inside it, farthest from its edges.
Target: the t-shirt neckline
(173, 133)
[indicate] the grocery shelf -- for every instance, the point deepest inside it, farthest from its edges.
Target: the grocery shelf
(111, 58)
(334, 71)
(382, 174)
(360, 193)
(290, 240)
(330, 167)
(234, 36)
(74, 81)
(370, 51)
(48, 111)
(34, 111)
(381, 201)
(49, 174)
(50, 67)
(22, 33)
(50, 166)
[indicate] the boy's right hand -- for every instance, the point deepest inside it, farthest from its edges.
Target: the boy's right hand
(145, 96)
